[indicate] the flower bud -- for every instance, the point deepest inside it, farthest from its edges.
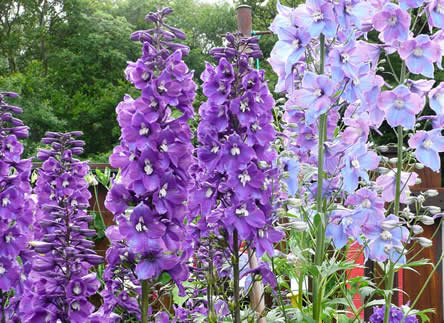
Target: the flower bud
(389, 225)
(298, 226)
(431, 193)
(427, 220)
(393, 160)
(383, 149)
(424, 242)
(419, 166)
(433, 209)
(417, 229)
(292, 202)
(418, 181)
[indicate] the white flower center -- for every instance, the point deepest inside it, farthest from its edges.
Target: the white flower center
(5, 201)
(163, 147)
(140, 226)
(356, 82)
(153, 103)
(163, 191)
(2, 269)
(221, 87)
(9, 237)
(215, 149)
(345, 58)
(348, 221)
(317, 15)
(10, 147)
(418, 51)
(75, 306)
(258, 98)
(261, 233)
(65, 183)
(355, 163)
(393, 20)
(308, 136)
(255, 127)
(244, 178)
(427, 144)
(77, 289)
(208, 192)
(52, 196)
(235, 150)
(399, 103)
(348, 9)
(385, 235)
(148, 168)
(145, 75)
(439, 8)
(366, 204)
(162, 87)
(242, 211)
(74, 202)
(317, 92)
(296, 43)
(144, 131)
(132, 157)
(244, 106)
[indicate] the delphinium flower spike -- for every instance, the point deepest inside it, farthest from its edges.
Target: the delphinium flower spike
(154, 155)
(16, 208)
(60, 281)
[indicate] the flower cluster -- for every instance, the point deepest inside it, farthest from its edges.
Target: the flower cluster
(154, 155)
(348, 84)
(60, 281)
(16, 208)
(235, 173)
(396, 316)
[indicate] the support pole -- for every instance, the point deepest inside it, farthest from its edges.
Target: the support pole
(244, 23)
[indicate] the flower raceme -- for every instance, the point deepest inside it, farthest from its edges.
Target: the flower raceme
(16, 208)
(60, 282)
(154, 155)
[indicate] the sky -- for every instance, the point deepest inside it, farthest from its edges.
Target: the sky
(218, 1)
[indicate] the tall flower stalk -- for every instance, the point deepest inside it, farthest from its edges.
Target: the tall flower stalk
(16, 209)
(235, 174)
(336, 101)
(60, 281)
(149, 199)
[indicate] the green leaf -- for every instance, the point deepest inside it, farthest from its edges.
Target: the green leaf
(164, 278)
(179, 300)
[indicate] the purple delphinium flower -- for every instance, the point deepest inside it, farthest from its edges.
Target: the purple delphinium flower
(343, 225)
(154, 155)
(428, 145)
(235, 167)
(435, 13)
(406, 4)
(314, 95)
(386, 242)
(401, 106)
(316, 17)
(436, 99)
(357, 162)
(60, 282)
(395, 316)
(419, 54)
(388, 184)
(16, 209)
(291, 45)
(392, 22)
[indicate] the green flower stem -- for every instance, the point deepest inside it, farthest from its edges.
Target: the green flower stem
(320, 233)
(145, 302)
(236, 291)
(398, 190)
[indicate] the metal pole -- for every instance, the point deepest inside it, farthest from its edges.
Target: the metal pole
(244, 23)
